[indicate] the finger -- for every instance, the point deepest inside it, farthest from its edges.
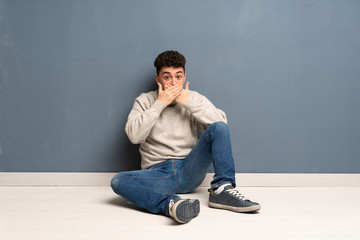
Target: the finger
(178, 88)
(174, 88)
(160, 87)
(187, 86)
(177, 94)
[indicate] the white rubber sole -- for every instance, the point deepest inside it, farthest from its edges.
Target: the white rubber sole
(235, 209)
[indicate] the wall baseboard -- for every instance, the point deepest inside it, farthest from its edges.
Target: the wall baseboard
(242, 179)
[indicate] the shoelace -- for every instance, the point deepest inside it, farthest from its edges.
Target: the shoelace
(237, 194)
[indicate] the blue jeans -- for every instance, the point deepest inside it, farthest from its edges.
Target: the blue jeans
(153, 188)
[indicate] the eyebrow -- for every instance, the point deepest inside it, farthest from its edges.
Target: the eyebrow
(170, 72)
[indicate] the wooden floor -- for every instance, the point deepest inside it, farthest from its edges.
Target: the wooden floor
(97, 213)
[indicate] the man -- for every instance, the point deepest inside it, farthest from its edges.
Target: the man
(173, 160)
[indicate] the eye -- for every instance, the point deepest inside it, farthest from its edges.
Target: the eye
(166, 77)
(178, 77)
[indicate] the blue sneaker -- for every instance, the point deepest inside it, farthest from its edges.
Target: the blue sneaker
(231, 199)
(183, 210)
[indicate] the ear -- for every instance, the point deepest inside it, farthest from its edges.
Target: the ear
(157, 79)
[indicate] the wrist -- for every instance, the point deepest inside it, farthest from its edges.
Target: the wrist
(181, 101)
(166, 103)
(159, 104)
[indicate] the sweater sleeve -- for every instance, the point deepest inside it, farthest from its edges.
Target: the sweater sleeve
(204, 112)
(142, 119)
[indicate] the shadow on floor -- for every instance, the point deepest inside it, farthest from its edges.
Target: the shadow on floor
(121, 202)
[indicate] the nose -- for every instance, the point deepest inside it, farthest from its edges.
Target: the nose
(172, 81)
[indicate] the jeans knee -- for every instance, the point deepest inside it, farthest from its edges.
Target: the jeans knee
(219, 126)
(117, 181)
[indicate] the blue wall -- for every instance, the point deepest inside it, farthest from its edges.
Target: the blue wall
(286, 72)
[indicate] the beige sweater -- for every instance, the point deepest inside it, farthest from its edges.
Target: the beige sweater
(168, 132)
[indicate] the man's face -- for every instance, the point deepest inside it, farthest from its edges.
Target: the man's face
(170, 76)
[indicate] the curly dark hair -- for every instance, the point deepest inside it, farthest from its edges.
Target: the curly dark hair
(169, 58)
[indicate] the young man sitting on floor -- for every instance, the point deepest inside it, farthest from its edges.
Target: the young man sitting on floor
(173, 159)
